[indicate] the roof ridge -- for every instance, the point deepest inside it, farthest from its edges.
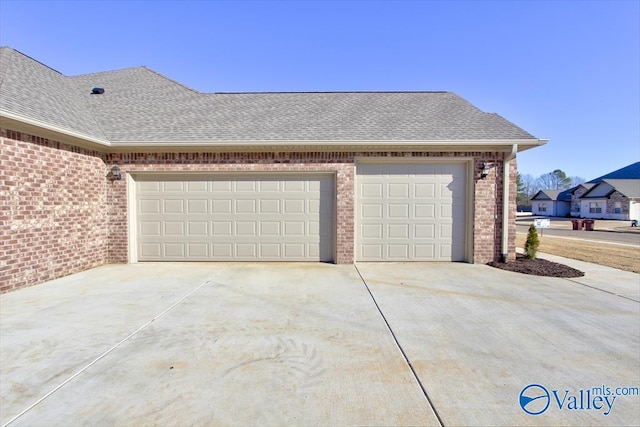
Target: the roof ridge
(171, 80)
(29, 57)
(107, 72)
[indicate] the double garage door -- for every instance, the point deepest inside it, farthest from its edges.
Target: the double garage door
(404, 212)
(247, 218)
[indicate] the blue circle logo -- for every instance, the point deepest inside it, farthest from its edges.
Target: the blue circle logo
(534, 399)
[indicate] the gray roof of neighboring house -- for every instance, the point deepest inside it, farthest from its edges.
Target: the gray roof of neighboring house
(140, 105)
(628, 187)
(628, 172)
(555, 195)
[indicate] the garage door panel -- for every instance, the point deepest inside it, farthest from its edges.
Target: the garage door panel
(197, 206)
(150, 228)
(174, 250)
(245, 219)
(151, 206)
(192, 186)
(411, 211)
(198, 250)
(151, 250)
(268, 206)
(424, 190)
(173, 206)
(270, 250)
(424, 251)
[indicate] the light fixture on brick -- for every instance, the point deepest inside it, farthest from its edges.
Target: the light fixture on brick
(115, 174)
(486, 167)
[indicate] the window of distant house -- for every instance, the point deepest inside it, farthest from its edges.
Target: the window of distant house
(542, 207)
(595, 207)
(618, 208)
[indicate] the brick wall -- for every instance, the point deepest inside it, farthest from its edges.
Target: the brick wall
(52, 210)
(338, 163)
(59, 214)
(488, 192)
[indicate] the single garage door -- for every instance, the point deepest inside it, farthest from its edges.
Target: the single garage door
(247, 218)
(411, 212)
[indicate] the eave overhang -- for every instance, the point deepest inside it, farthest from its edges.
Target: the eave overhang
(34, 127)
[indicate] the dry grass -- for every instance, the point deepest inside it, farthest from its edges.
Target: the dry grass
(616, 256)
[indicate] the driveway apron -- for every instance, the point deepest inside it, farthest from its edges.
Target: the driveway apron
(477, 336)
(204, 344)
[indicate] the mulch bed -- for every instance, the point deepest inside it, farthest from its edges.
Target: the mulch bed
(537, 267)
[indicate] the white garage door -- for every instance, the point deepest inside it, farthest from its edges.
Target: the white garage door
(411, 212)
(245, 218)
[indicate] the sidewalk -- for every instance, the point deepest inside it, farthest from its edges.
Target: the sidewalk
(617, 226)
(607, 279)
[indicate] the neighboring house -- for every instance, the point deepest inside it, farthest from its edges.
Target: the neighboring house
(611, 196)
(332, 177)
(577, 192)
(612, 199)
(551, 203)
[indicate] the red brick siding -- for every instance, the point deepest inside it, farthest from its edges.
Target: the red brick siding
(59, 214)
(337, 163)
(52, 210)
(488, 192)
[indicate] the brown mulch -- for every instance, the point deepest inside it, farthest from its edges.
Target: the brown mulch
(537, 267)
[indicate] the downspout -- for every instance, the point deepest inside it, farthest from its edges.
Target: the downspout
(505, 202)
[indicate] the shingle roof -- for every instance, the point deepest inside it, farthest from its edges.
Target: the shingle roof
(35, 91)
(628, 187)
(628, 172)
(559, 195)
(142, 106)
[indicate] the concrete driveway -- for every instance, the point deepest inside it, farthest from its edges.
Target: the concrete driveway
(319, 344)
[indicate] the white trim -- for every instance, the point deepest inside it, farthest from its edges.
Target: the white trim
(505, 202)
(37, 123)
(132, 228)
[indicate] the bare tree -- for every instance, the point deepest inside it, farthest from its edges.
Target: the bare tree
(527, 188)
(576, 180)
(556, 180)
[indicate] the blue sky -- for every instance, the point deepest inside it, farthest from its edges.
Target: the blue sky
(564, 71)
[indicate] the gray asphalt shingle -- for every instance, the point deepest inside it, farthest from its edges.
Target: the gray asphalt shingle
(140, 105)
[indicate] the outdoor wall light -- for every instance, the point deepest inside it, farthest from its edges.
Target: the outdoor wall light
(485, 169)
(116, 175)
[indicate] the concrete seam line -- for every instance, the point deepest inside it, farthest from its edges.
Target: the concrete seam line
(404, 355)
(602, 290)
(127, 338)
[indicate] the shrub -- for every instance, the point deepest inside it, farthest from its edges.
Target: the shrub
(532, 243)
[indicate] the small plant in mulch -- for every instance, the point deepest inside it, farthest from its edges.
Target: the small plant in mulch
(537, 267)
(532, 243)
(528, 263)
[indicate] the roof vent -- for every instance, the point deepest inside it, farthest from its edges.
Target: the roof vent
(97, 91)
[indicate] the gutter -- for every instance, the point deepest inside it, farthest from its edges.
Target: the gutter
(505, 202)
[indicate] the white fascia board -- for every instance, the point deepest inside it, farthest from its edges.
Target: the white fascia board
(345, 145)
(12, 117)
